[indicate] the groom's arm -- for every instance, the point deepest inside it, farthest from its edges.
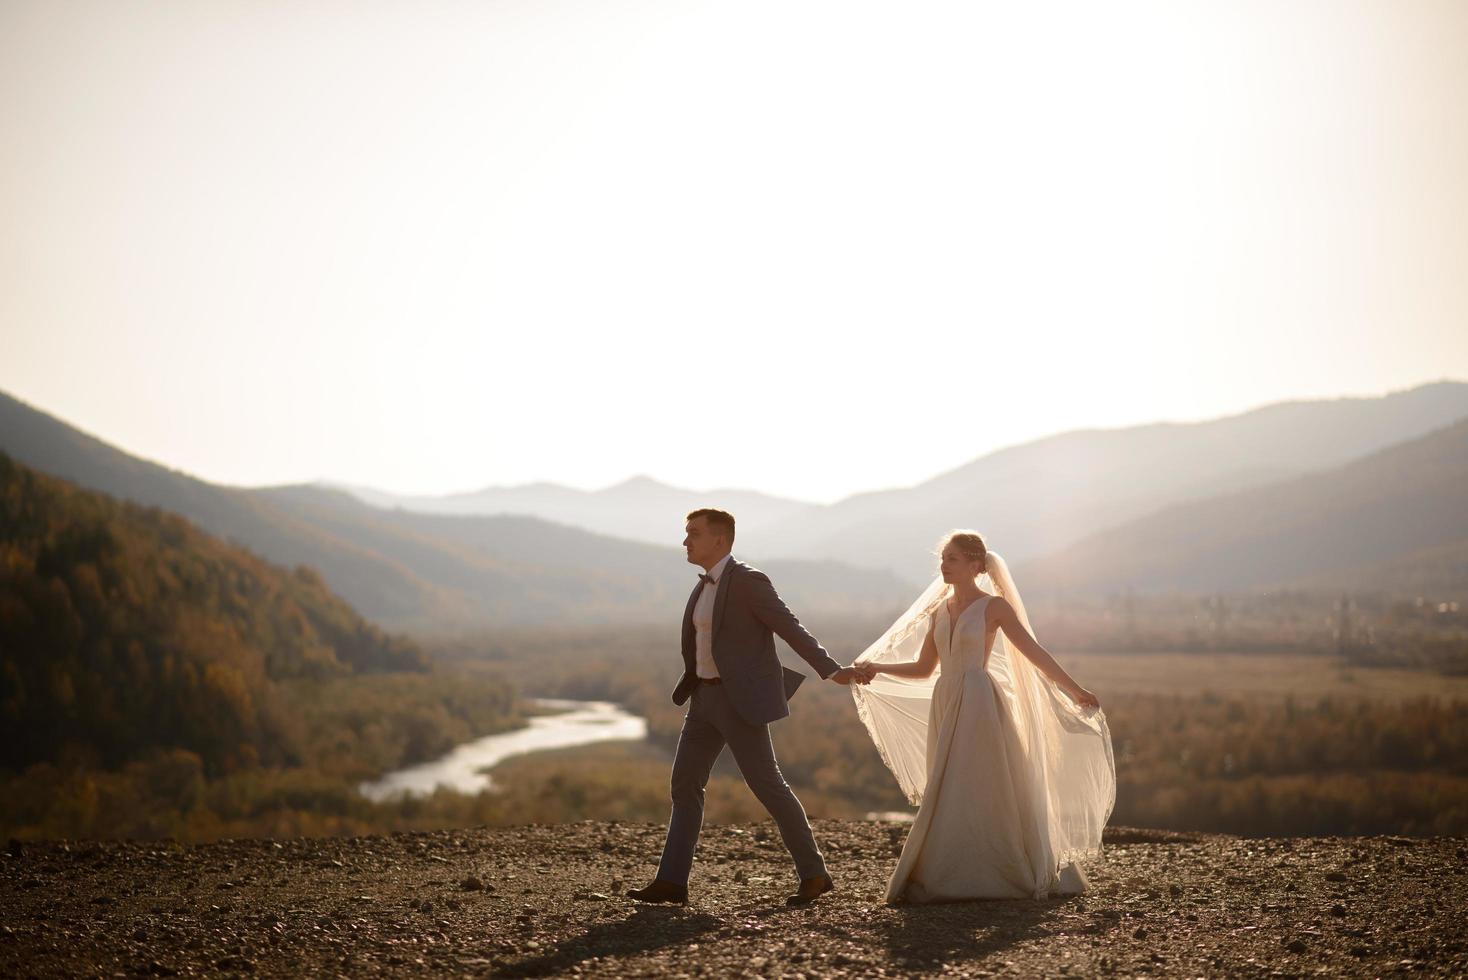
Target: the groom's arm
(771, 610)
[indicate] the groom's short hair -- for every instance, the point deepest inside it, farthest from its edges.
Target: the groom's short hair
(720, 519)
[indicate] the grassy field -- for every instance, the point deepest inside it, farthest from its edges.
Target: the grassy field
(1255, 676)
(1241, 742)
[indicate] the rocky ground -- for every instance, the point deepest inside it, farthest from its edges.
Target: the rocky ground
(547, 900)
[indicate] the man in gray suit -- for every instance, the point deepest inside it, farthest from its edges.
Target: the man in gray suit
(738, 687)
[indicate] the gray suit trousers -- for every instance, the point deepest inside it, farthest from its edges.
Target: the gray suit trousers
(712, 723)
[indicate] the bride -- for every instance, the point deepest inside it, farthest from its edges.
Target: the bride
(1008, 757)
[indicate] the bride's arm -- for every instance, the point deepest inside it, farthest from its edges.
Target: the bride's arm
(1026, 644)
(927, 659)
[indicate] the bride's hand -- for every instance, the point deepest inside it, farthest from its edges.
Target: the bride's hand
(1084, 698)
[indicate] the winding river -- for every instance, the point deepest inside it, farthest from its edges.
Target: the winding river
(463, 769)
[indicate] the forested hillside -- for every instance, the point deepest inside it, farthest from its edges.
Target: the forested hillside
(145, 661)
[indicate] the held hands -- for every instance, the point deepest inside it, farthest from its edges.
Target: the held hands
(860, 674)
(855, 674)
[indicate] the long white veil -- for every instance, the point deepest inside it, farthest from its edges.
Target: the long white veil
(1069, 768)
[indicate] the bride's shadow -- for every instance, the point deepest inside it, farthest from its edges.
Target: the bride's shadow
(923, 938)
(645, 928)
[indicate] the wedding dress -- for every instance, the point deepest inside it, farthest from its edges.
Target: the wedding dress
(1014, 780)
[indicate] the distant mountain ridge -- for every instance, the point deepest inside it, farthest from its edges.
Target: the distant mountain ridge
(1394, 521)
(1043, 504)
(426, 573)
(1030, 500)
(1040, 497)
(639, 508)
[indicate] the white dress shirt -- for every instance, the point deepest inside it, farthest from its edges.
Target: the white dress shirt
(703, 622)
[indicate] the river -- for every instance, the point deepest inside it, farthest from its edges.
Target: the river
(463, 769)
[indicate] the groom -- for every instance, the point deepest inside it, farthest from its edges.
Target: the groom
(738, 687)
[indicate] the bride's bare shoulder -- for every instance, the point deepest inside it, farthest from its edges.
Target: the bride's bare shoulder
(999, 611)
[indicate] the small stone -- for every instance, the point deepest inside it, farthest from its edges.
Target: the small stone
(1335, 876)
(235, 963)
(1296, 946)
(1338, 910)
(471, 884)
(1141, 933)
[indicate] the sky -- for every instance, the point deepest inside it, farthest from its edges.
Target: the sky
(805, 248)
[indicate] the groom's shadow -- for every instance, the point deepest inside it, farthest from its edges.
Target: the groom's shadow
(923, 938)
(646, 928)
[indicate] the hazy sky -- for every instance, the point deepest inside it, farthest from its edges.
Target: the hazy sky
(809, 248)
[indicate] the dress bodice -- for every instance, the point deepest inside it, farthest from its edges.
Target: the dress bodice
(964, 643)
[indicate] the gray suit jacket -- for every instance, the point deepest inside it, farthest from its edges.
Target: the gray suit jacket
(747, 613)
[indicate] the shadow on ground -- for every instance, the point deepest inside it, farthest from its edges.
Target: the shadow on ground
(644, 930)
(923, 938)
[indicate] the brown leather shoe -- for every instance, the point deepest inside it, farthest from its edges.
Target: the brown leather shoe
(810, 889)
(660, 891)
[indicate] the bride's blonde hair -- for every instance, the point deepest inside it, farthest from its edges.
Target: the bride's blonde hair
(970, 544)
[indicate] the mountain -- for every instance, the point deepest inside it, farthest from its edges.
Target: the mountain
(126, 629)
(384, 591)
(525, 570)
(1439, 571)
(425, 573)
(1396, 520)
(639, 509)
(1039, 497)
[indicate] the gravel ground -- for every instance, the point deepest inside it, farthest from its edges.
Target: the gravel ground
(547, 900)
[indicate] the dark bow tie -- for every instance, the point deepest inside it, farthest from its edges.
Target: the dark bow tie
(708, 580)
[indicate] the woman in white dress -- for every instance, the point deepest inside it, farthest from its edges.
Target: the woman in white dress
(1009, 758)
